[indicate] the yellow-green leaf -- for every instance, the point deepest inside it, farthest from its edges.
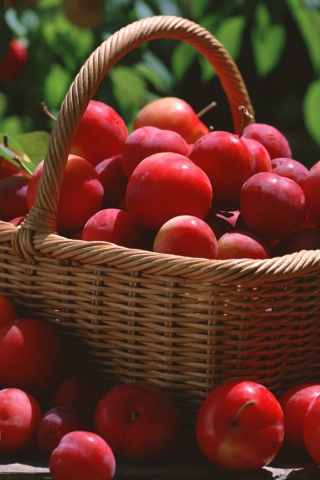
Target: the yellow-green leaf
(13, 152)
(35, 146)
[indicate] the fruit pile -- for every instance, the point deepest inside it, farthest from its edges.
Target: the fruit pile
(81, 427)
(175, 186)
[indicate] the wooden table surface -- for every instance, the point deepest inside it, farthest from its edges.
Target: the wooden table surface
(184, 466)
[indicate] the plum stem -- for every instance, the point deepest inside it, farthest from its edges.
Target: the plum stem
(206, 109)
(246, 118)
(47, 112)
(246, 405)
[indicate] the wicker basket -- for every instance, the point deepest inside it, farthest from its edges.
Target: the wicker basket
(184, 324)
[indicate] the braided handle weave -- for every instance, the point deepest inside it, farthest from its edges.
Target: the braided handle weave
(43, 215)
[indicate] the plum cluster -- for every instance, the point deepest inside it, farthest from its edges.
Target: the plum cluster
(75, 422)
(81, 426)
(174, 186)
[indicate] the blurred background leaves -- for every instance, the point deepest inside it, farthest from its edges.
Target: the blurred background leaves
(275, 44)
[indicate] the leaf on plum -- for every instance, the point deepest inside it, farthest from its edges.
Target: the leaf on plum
(13, 152)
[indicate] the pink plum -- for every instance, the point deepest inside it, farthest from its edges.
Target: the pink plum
(186, 235)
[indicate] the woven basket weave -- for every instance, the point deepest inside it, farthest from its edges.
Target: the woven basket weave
(184, 324)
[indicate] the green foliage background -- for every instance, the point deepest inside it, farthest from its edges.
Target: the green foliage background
(275, 44)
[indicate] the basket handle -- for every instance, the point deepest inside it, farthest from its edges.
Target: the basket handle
(42, 217)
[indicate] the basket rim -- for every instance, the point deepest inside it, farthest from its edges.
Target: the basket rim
(37, 233)
(95, 253)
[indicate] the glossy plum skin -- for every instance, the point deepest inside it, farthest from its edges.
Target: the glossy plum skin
(235, 439)
(79, 392)
(262, 160)
(218, 224)
(81, 194)
(172, 113)
(139, 421)
(271, 206)
(227, 161)
(113, 180)
(290, 168)
(301, 239)
(8, 310)
(13, 197)
(186, 235)
(54, 424)
(165, 185)
(271, 138)
(113, 225)
(82, 455)
(295, 402)
(32, 356)
(242, 244)
(101, 133)
(146, 141)
(19, 415)
(311, 432)
(7, 169)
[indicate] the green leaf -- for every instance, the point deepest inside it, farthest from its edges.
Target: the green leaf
(30, 19)
(14, 22)
(142, 9)
(150, 75)
(13, 124)
(182, 58)
(308, 21)
(211, 23)
(155, 71)
(12, 157)
(56, 85)
(3, 104)
(168, 7)
(14, 153)
(311, 112)
(47, 4)
(12, 144)
(198, 8)
(70, 43)
(230, 32)
(268, 41)
(129, 90)
(127, 84)
(158, 7)
(35, 145)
